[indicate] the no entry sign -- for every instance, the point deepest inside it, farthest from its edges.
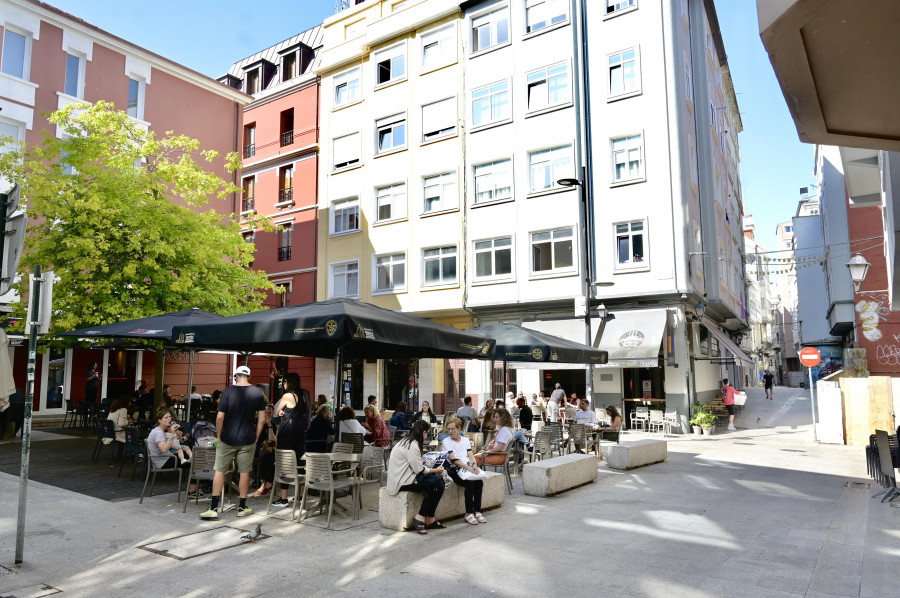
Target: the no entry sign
(810, 357)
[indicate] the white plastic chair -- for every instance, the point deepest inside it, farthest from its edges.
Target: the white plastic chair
(640, 417)
(671, 421)
(656, 420)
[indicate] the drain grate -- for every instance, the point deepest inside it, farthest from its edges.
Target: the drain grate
(188, 546)
(860, 485)
(35, 591)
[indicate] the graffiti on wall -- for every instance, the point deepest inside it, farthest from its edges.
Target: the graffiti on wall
(872, 312)
(874, 327)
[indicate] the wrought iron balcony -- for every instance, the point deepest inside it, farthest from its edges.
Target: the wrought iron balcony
(286, 194)
(250, 150)
(287, 138)
(248, 204)
(284, 254)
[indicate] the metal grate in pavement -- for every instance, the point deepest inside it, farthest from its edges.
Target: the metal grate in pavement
(35, 591)
(862, 485)
(188, 546)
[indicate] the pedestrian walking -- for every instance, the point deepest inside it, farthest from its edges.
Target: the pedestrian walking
(729, 391)
(768, 381)
(240, 407)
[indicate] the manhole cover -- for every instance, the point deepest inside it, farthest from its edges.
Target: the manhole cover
(862, 485)
(32, 592)
(189, 546)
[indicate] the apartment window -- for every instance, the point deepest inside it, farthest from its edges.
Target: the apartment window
(552, 250)
(283, 298)
(548, 86)
(16, 52)
(440, 265)
(252, 82)
(346, 87)
(390, 272)
(250, 140)
(490, 30)
(439, 48)
(390, 65)
(543, 13)
(390, 203)
(630, 244)
(440, 192)
(491, 104)
(288, 66)
(627, 158)
(286, 184)
(345, 279)
(345, 216)
(624, 72)
(391, 132)
(788, 229)
(493, 257)
(135, 98)
(287, 127)
(346, 151)
(617, 5)
(493, 181)
(439, 119)
(248, 201)
(74, 76)
(548, 166)
(285, 232)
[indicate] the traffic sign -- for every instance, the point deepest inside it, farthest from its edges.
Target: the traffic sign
(810, 357)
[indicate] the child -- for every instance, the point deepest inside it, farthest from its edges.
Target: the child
(177, 449)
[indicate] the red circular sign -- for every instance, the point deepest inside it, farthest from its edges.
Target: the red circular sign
(810, 357)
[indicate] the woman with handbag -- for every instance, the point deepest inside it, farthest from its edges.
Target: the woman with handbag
(493, 454)
(407, 473)
(461, 459)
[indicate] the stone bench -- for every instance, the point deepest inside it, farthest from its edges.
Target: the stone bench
(636, 453)
(552, 476)
(396, 512)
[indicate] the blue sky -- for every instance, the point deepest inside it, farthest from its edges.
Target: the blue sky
(210, 35)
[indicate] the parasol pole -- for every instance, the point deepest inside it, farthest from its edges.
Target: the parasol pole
(189, 384)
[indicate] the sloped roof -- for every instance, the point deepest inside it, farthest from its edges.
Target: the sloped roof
(311, 38)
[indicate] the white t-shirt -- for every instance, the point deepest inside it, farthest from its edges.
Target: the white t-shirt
(459, 449)
(352, 426)
(585, 417)
(504, 436)
(467, 411)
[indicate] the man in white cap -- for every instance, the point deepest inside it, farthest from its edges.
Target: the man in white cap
(240, 404)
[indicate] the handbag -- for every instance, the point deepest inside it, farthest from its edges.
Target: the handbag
(491, 458)
(428, 480)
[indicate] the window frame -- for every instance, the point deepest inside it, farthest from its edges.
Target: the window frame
(630, 265)
(550, 25)
(393, 289)
(293, 56)
(344, 79)
(548, 107)
(26, 51)
(390, 53)
(285, 231)
(642, 176)
(392, 121)
(554, 271)
(487, 13)
(350, 164)
(435, 37)
(442, 284)
(446, 132)
(509, 104)
(350, 202)
(248, 204)
(639, 89)
(397, 215)
(442, 185)
(141, 97)
(331, 279)
(493, 174)
(79, 83)
(494, 277)
(633, 5)
(554, 186)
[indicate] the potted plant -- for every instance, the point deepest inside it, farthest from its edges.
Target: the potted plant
(704, 420)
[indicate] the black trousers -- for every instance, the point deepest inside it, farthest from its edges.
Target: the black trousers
(472, 489)
(432, 491)
(290, 439)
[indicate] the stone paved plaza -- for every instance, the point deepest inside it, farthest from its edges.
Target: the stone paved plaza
(762, 511)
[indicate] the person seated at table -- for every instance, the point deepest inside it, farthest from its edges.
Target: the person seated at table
(500, 404)
(168, 404)
(487, 422)
(176, 436)
(467, 412)
(407, 473)
(615, 419)
(159, 447)
(216, 395)
(379, 433)
(503, 422)
(526, 415)
(462, 458)
(265, 454)
(347, 423)
(426, 414)
(399, 419)
(320, 428)
(585, 415)
(488, 407)
(118, 413)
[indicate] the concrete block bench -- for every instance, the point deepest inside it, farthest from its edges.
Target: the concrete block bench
(552, 476)
(636, 453)
(396, 512)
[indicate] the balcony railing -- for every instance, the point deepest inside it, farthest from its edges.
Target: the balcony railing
(287, 138)
(250, 150)
(248, 204)
(286, 194)
(284, 254)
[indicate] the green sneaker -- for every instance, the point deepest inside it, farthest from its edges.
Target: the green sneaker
(244, 512)
(210, 514)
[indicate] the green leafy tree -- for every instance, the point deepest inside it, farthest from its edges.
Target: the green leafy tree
(120, 216)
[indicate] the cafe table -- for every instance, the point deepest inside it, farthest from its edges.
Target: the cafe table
(354, 459)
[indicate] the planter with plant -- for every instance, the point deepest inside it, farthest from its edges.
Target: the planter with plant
(705, 420)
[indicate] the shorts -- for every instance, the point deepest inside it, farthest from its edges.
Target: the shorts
(225, 453)
(729, 407)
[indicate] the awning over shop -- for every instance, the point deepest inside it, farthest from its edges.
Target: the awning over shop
(633, 338)
(729, 344)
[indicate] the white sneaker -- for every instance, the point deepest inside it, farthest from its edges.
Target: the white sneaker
(731, 427)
